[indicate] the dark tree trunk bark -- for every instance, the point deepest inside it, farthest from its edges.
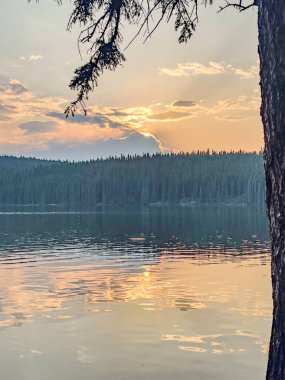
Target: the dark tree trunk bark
(271, 25)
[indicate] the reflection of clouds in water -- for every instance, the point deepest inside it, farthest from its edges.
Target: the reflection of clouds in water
(263, 343)
(179, 282)
(84, 302)
(36, 352)
(84, 356)
(15, 319)
(238, 341)
(24, 351)
(259, 308)
(192, 349)
(102, 284)
(190, 339)
(23, 297)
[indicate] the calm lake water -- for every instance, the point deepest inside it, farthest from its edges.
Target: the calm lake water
(156, 295)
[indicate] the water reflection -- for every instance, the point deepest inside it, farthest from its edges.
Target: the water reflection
(158, 294)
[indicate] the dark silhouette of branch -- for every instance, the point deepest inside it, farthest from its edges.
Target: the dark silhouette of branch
(102, 22)
(239, 6)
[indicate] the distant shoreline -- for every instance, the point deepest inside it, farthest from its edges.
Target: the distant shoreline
(199, 179)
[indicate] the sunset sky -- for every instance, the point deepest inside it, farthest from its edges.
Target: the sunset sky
(167, 97)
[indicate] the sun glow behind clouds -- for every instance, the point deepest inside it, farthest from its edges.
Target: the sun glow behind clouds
(147, 134)
(176, 95)
(36, 125)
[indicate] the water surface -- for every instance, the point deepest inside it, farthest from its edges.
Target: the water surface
(161, 294)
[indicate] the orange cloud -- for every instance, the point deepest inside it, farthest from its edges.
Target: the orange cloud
(29, 122)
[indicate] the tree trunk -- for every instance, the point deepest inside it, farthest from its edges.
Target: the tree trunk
(271, 26)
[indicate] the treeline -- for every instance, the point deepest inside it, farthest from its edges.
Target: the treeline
(200, 178)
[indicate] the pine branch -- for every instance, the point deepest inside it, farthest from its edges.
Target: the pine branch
(239, 6)
(103, 21)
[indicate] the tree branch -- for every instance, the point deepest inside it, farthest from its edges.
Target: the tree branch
(239, 6)
(103, 21)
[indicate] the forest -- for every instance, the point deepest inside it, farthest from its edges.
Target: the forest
(184, 179)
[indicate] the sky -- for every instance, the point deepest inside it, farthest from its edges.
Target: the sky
(167, 97)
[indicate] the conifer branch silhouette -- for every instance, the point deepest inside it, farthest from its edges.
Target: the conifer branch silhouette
(103, 22)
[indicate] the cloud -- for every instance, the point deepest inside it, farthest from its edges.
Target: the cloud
(27, 106)
(249, 73)
(35, 57)
(232, 118)
(240, 104)
(17, 87)
(233, 110)
(194, 69)
(99, 119)
(6, 107)
(37, 126)
(5, 111)
(169, 116)
(77, 118)
(11, 85)
(184, 103)
(212, 68)
(134, 143)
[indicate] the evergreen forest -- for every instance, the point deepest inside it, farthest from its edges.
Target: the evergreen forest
(185, 179)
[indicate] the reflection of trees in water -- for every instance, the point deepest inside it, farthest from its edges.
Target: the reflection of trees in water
(232, 227)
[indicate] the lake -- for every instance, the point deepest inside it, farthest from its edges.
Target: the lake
(155, 294)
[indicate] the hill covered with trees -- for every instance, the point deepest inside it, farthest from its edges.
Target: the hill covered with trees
(200, 178)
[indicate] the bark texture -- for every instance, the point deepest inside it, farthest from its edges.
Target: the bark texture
(271, 25)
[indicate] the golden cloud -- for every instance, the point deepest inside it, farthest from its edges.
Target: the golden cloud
(212, 68)
(194, 69)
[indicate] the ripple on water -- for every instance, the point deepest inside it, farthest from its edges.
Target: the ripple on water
(138, 302)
